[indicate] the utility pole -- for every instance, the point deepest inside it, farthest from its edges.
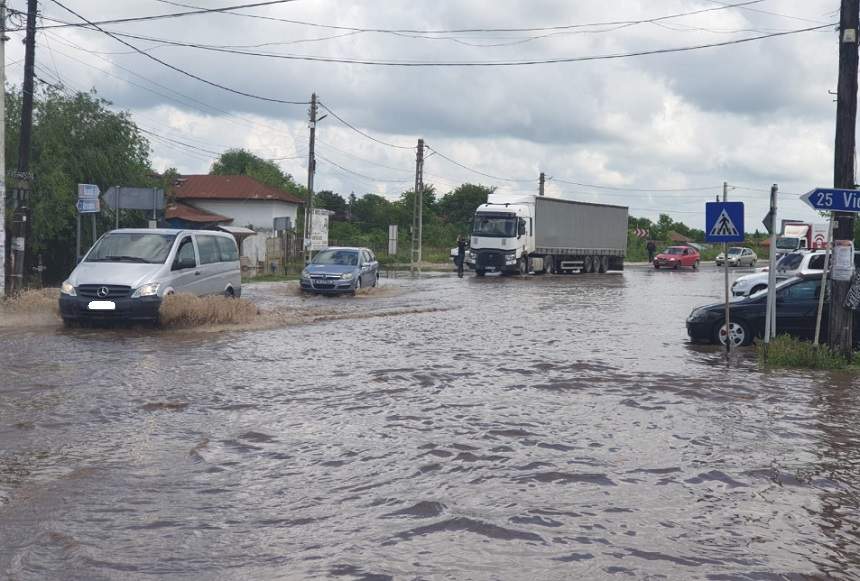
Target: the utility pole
(770, 307)
(312, 166)
(726, 278)
(542, 183)
(418, 209)
(841, 318)
(2, 149)
(21, 228)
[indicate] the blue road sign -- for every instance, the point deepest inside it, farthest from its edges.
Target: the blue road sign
(833, 200)
(86, 206)
(724, 222)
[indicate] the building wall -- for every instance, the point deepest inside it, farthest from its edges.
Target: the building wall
(256, 214)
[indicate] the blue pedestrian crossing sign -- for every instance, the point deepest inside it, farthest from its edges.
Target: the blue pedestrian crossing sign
(724, 222)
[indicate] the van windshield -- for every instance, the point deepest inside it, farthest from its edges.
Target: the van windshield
(128, 247)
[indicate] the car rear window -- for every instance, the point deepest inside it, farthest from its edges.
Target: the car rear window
(816, 262)
(789, 262)
(229, 251)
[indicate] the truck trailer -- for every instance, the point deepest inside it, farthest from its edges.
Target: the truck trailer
(522, 234)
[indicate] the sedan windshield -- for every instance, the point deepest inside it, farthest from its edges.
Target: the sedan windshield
(337, 257)
(495, 226)
(128, 247)
(674, 251)
(735, 251)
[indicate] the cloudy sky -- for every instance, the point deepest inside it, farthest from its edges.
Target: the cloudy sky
(658, 133)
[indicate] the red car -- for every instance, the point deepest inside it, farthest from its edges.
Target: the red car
(677, 256)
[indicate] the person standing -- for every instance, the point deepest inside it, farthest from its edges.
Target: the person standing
(461, 255)
(652, 248)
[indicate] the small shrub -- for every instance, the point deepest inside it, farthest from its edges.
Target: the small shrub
(788, 351)
(183, 311)
(33, 301)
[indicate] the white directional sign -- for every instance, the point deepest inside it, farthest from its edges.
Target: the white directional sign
(88, 192)
(86, 206)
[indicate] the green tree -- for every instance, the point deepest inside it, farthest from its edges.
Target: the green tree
(329, 200)
(76, 139)
(458, 206)
(243, 162)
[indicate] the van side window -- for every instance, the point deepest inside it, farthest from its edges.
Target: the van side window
(208, 249)
(185, 254)
(229, 251)
(371, 256)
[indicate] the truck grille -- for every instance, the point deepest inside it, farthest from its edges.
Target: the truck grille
(491, 258)
(114, 291)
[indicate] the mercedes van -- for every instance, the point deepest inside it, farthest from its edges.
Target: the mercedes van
(127, 273)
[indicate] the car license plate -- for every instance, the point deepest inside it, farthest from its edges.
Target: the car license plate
(102, 306)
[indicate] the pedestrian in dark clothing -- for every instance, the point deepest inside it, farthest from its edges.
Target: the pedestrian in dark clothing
(461, 254)
(652, 248)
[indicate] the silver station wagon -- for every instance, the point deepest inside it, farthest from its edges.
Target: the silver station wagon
(128, 272)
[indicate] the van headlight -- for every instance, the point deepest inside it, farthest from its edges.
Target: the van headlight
(346, 276)
(68, 288)
(147, 290)
(305, 274)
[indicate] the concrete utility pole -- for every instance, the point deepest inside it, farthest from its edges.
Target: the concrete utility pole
(542, 183)
(770, 310)
(2, 149)
(726, 277)
(312, 166)
(418, 209)
(21, 228)
(841, 318)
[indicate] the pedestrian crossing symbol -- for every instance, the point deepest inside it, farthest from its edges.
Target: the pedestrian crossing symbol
(724, 222)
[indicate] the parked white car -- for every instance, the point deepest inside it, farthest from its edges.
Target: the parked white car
(794, 264)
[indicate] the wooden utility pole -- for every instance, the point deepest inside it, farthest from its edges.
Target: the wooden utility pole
(542, 183)
(418, 209)
(841, 318)
(21, 228)
(3, 241)
(312, 166)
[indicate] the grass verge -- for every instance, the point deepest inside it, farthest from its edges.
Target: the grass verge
(787, 351)
(33, 301)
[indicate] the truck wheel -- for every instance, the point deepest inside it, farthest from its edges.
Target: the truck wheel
(604, 264)
(523, 264)
(548, 265)
(586, 264)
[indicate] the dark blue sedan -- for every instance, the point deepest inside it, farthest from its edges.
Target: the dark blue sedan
(340, 270)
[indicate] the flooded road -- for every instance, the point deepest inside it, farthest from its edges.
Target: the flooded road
(556, 427)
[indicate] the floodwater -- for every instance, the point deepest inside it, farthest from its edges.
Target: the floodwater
(556, 427)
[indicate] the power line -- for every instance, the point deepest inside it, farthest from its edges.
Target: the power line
(360, 132)
(416, 63)
(154, 16)
(479, 172)
(401, 31)
(626, 189)
(177, 69)
(367, 177)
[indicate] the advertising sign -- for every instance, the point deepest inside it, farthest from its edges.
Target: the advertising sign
(319, 230)
(843, 260)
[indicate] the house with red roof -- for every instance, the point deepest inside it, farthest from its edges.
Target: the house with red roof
(232, 203)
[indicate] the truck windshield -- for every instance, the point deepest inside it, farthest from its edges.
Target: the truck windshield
(495, 225)
(788, 243)
(128, 247)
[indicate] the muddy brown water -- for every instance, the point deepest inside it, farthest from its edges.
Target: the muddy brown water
(538, 428)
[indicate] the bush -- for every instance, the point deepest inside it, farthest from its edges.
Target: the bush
(788, 351)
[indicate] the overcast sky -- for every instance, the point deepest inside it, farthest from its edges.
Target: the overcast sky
(752, 114)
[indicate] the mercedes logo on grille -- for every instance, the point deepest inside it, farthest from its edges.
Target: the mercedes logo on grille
(103, 292)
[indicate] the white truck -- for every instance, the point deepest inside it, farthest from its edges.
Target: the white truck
(798, 235)
(532, 233)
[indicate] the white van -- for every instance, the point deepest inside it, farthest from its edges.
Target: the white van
(128, 272)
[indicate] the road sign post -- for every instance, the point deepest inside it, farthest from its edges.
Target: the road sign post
(724, 222)
(88, 203)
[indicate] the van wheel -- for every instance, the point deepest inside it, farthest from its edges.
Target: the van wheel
(229, 294)
(479, 272)
(375, 280)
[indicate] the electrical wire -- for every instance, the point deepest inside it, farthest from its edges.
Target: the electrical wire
(152, 17)
(367, 177)
(479, 172)
(177, 69)
(360, 132)
(417, 63)
(626, 189)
